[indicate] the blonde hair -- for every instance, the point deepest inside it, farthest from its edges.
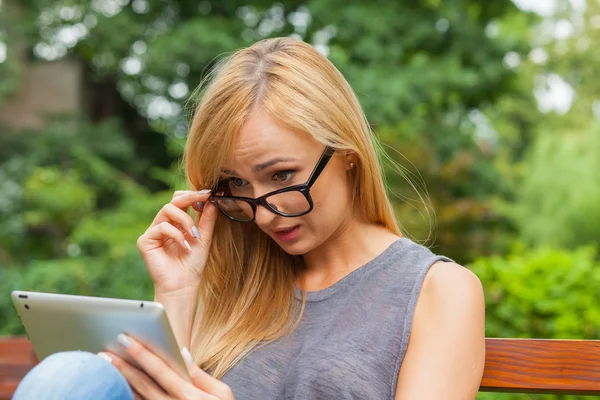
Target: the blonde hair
(247, 287)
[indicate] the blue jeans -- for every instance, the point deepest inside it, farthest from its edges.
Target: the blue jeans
(73, 375)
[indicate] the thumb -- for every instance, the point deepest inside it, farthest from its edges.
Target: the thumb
(203, 380)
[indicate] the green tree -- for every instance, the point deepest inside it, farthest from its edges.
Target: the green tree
(550, 149)
(420, 69)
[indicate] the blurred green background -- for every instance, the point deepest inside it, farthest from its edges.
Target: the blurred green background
(492, 106)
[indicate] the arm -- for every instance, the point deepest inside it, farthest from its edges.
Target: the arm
(180, 307)
(446, 349)
(175, 250)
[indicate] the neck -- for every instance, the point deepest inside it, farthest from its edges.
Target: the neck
(349, 248)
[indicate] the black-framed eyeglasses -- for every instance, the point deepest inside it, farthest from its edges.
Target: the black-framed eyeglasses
(292, 201)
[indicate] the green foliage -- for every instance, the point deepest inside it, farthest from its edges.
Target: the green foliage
(10, 75)
(549, 161)
(558, 202)
(115, 230)
(412, 61)
(10, 72)
(446, 203)
(53, 178)
(543, 293)
(56, 197)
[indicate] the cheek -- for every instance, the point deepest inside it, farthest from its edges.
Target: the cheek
(331, 204)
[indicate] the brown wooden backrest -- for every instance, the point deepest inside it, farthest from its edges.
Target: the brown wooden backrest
(511, 365)
(16, 359)
(542, 366)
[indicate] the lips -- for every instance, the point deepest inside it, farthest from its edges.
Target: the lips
(287, 234)
(284, 230)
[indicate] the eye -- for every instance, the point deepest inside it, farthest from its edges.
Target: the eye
(237, 182)
(283, 176)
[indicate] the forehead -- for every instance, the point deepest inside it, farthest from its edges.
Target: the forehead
(262, 137)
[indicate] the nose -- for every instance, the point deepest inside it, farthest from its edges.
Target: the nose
(263, 217)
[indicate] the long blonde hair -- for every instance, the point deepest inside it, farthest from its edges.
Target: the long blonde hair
(246, 293)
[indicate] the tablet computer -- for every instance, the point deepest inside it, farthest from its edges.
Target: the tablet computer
(60, 322)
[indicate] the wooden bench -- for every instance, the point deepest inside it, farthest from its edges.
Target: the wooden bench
(542, 366)
(16, 359)
(511, 365)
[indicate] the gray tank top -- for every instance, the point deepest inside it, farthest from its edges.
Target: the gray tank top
(352, 337)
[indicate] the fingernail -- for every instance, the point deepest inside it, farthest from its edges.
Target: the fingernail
(187, 244)
(124, 340)
(196, 232)
(204, 191)
(105, 356)
(200, 205)
(187, 356)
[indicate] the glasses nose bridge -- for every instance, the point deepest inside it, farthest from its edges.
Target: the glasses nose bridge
(262, 202)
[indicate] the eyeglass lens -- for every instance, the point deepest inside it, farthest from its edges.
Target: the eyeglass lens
(292, 202)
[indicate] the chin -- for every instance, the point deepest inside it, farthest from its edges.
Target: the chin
(296, 248)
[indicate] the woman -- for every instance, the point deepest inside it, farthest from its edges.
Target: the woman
(295, 282)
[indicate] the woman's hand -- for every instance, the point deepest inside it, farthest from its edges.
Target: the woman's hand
(157, 381)
(174, 249)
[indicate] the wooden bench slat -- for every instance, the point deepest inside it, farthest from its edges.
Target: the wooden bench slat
(542, 366)
(16, 359)
(7, 389)
(16, 350)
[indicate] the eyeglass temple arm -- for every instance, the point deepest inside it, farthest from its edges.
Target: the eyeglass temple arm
(320, 165)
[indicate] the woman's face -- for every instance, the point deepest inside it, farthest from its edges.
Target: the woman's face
(268, 157)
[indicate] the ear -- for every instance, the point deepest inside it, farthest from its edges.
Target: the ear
(351, 160)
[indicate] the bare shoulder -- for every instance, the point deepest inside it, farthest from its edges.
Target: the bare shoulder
(450, 293)
(447, 280)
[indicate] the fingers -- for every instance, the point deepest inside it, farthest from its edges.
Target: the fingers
(204, 381)
(162, 231)
(176, 216)
(189, 198)
(157, 369)
(196, 205)
(142, 385)
(182, 200)
(173, 217)
(166, 229)
(136, 395)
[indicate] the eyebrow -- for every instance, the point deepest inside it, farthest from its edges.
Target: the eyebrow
(261, 167)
